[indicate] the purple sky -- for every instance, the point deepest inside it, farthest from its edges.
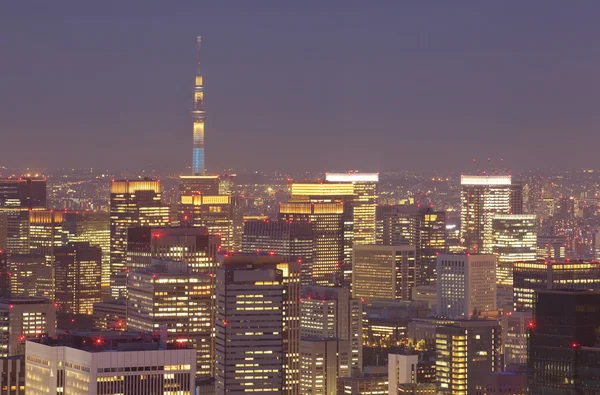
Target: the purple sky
(305, 85)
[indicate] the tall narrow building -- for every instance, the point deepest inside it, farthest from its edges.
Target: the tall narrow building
(481, 197)
(257, 325)
(198, 117)
(132, 203)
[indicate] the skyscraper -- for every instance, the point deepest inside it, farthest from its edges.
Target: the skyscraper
(383, 272)
(531, 277)
(198, 118)
(329, 208)
(424, 228)
(466, 285)
(322, 362)
(132, 203)
(257, 324)
(193, 246)
(563, 343)
(464, 351)
(293, 240)
(31, 276)
(365, 201)
(481, 197)
(331, 312)
(169, 293)
(514, 240)
(78, 271)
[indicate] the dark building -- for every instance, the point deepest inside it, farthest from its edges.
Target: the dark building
(78, 270)
(12, 375)
(193, 246)
(564, 209)
(424, 228)
(513, 383)
(29, 193)
(517, 192)
(466, 350)
(290, 239)
(4, 276)
(561, 354)
(529, 277)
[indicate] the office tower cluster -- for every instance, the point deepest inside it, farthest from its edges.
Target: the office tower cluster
(336, 283)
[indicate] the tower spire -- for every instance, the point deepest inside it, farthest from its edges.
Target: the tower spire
(199, 42)
(198, 117)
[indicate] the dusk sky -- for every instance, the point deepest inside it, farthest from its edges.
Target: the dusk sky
(307, 85)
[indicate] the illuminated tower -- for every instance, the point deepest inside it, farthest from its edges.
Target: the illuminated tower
(481, 197)
(198, 117)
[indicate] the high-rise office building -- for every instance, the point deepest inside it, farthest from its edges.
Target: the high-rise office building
(515, 331)
(19, 196)
(563, 341)
(331, 312)
(23, 319)
(464, 351)
(108, 363)
(327, 219)
(46, 232)
(383, 272)
(93, 227)
(424, 228)
(194, 246)
(201, 206)
(466, 285)
(293, 240)
(322, 362)
(402, 369)
(171, 294)
(3, 231)
(530, 277)
(372, 382)
(518, 197)
(132, 203)
(198, 118)
(339, 197)
(514, 240)
(31, 276)
(482, 197)
(257, 325)
(551, 247)
(365, 201)
(77, 278)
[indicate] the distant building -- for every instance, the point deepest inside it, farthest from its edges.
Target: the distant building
(31, 276)
(110, 315)
(563, 340)
(322, 362)
(108, 363)
(402, 369)
(383, 272)
(416, 389)
(213, 212)
(529, 277)
(424, 228)
(258, 317)
(482, 197)
(170, 294)
(466, 350)
(24, 319)
(194, 246)
(132, 203)
(515, 332)
(466, 285)
(78, 274)
(5, 274)
(551, 247)
(370, 382)
(294, 240)
(514, 240)
(514, 383)
(331, 312)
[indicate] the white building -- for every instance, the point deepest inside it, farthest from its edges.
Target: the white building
(402, 369)
(466, 284)
(108, 363)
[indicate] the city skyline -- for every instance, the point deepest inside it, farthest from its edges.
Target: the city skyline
(119, 83)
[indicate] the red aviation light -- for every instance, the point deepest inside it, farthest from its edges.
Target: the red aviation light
(22, 338)
(98, 340)
(574, 345)
(531, 324)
